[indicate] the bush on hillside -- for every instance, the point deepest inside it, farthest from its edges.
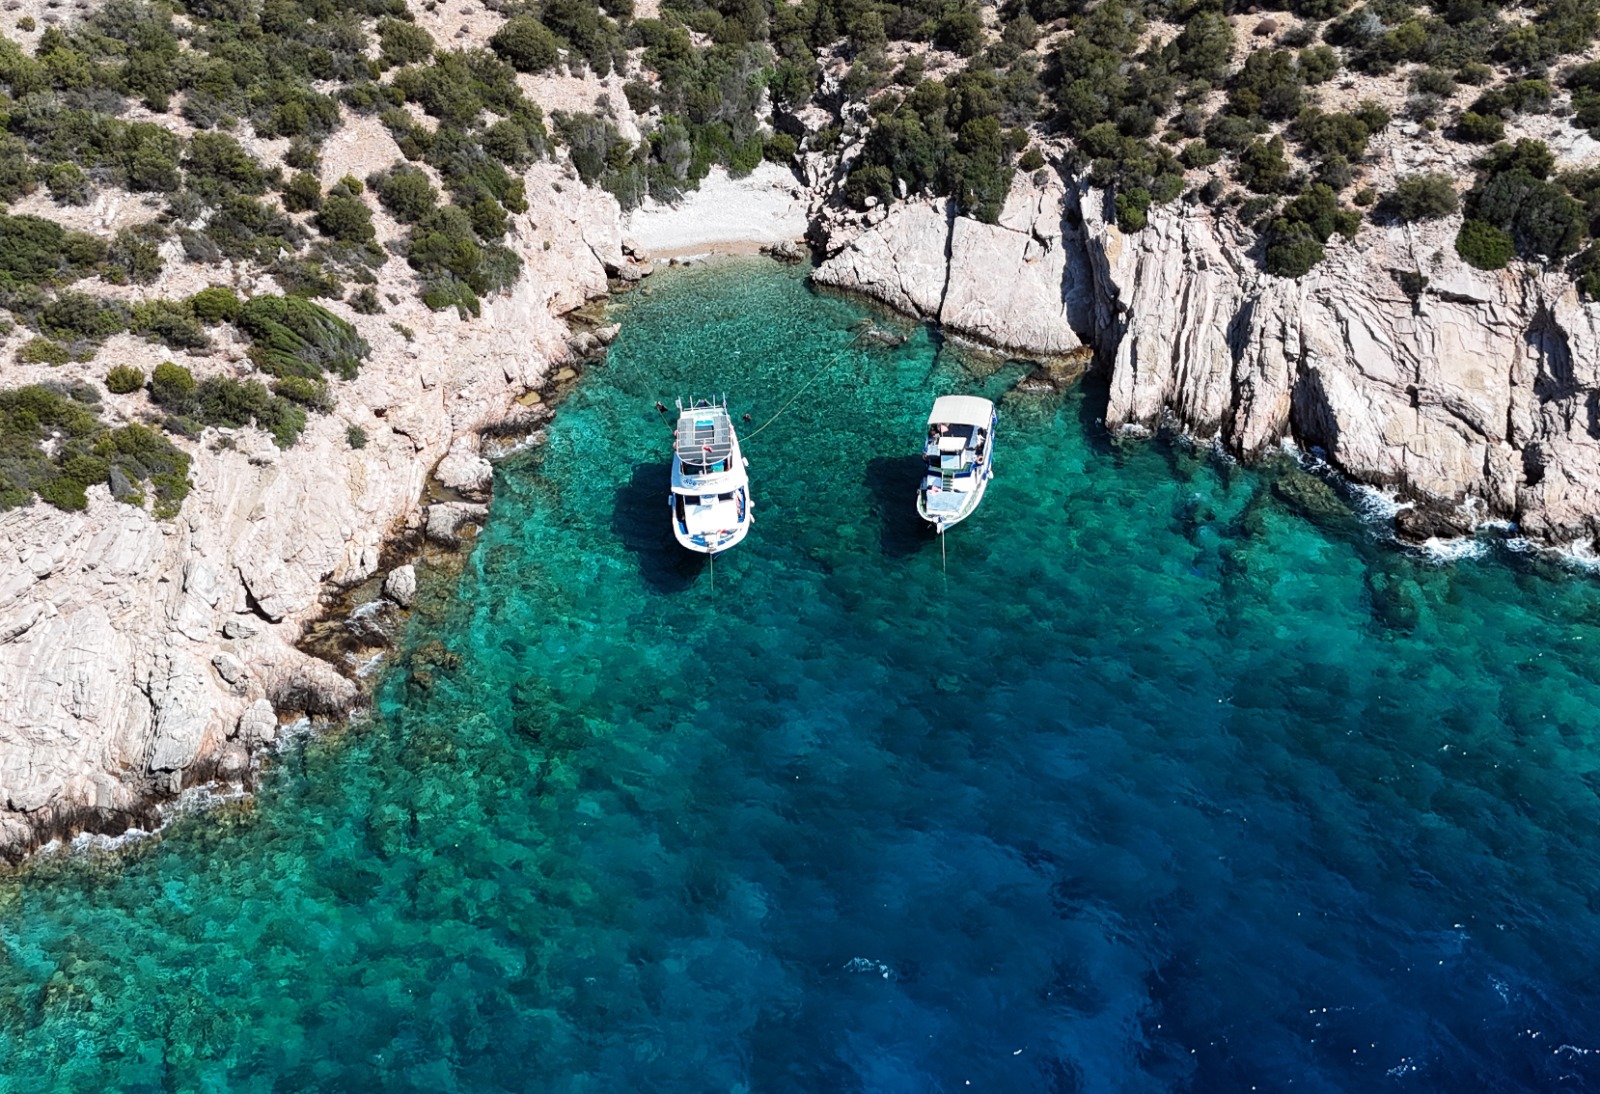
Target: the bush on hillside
(1426, 196)
(293, 337)
(526, 44)
(124, 379)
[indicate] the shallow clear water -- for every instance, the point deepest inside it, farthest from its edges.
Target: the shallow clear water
(1162, 785)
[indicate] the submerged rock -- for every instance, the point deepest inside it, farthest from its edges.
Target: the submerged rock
(1425, 521)
(1310, 497)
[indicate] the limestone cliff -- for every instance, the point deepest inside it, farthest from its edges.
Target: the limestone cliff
(1407, 367)
(137, 655)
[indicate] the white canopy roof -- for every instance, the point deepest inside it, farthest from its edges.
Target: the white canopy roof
(961, 410)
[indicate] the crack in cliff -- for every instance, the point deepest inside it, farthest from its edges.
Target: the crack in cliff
(949, 251)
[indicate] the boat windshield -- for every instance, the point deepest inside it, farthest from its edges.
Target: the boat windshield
(714, 467)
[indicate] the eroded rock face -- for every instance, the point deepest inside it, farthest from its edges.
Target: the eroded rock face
(1406, 366)
(133, 651)
(1013, 285)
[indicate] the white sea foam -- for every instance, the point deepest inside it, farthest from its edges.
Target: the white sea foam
(866, 964)
(1453, 550)
(1376, 505)
(371, 607)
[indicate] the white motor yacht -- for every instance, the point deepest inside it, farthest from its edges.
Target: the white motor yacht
(710, 496)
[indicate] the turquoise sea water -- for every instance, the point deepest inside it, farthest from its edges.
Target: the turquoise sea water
(1164, 784)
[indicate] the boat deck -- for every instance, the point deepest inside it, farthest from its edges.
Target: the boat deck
(704, 436)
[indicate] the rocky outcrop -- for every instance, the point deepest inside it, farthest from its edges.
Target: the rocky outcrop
(137, 655)
(1405, 366)
(1011, 285)
(400, 585)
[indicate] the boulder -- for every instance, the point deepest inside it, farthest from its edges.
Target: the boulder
(1431, 520)
(401, 585)
(446, 518)
(464, 470)
(258, 723)
(232, 671)
(238, 628)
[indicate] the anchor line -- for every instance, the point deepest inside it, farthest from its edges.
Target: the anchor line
(826, 365)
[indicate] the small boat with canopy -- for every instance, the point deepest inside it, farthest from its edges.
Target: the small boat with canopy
(710, 496)
(958, 459)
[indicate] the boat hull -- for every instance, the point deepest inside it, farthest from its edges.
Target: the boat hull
(709, 502)
(711, 542)
(943, 518)
(943, 521)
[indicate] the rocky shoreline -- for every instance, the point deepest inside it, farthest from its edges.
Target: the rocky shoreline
(1471, 394)
(139, 658)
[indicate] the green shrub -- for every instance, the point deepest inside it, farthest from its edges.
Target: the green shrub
(1263, 168)
(1422, 197)
(1585, 271)
(311, 393)
(307, 277)
(172, 386)
(1132, 207)
(356, 437)
(218, 165)
(364, 301)
(1433, 81)
(1292, 249)
(1512, 194)
(26, 24)
(223, 401)
(405, 192)
(781, 148)
(302, 193)
(1332, 134)
(1479, 129)
(136, 454)
(170, 322)
(403, 43)
(526, 44)
(124, 379)
(1484, 245)
(294, 337)
(42, 351)
(68, 184)
(78, 316)
(344, 216)
(86, 453)
(1295, 238)
(1198, 154)
(35, 251)
(1269, 84)
(217, 304)
(135, 255)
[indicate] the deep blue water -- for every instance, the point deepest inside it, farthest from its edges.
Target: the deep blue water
(1163, 782)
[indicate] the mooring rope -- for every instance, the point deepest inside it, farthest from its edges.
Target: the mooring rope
(826, 365)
